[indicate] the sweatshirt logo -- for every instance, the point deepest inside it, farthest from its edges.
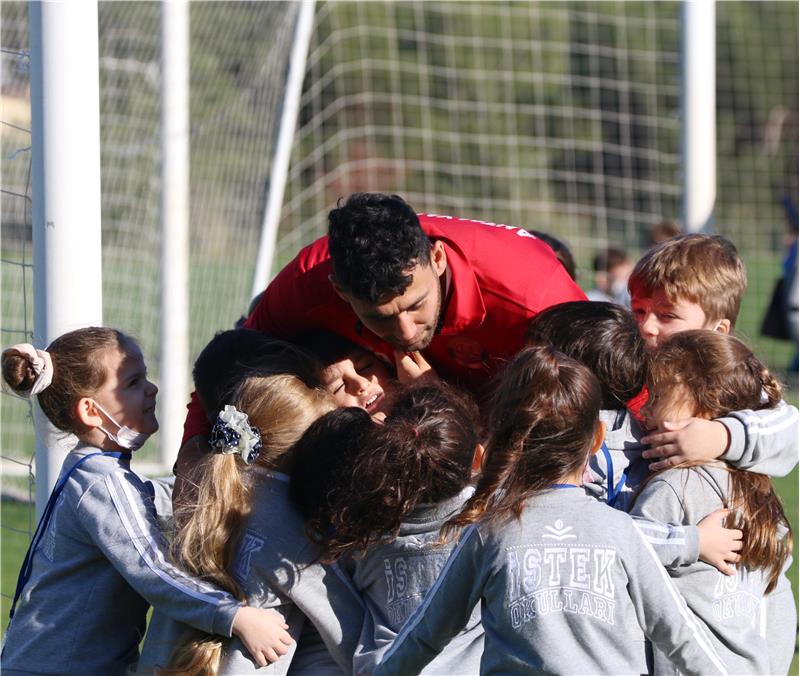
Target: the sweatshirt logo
(250, 545)
(559, 532)
(560, 578)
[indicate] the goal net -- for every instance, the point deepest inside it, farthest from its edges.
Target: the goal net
(558, 116)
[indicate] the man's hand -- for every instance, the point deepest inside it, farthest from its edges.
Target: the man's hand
(412, 366)
(718, 545)
(263, 633)
(695, 439)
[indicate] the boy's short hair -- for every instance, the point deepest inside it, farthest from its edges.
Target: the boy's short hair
(601, 336)
(703, 269)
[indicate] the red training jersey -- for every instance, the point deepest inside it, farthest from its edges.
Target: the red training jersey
(501, 276)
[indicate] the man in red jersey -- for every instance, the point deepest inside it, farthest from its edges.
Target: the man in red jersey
(459, 291)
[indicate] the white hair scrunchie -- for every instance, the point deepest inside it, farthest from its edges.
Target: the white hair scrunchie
(41, 363)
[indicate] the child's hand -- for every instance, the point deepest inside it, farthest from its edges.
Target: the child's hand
(718, 545)
(263, 633)
(694, 439)
(412, 366)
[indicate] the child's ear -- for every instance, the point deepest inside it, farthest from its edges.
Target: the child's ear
(599, 436)
(477, 458)
(87, 413)
(723, 326)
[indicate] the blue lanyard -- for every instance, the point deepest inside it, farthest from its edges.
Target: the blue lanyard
(613, 491)
(564, 486)
(27, 563)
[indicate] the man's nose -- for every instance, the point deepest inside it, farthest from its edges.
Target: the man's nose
(406, 328)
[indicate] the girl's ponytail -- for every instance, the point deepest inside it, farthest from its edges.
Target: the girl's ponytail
(544, 420)
(77, 371)
(278, 409)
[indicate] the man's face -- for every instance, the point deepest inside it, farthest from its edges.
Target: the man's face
(659, 318)
(408, 321)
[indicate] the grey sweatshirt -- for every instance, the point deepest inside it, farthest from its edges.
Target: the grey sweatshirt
(618, 469)
(277, 567)
(394, 577)
(99, 565)
(734, 608)
(571, 587)
(763, 441)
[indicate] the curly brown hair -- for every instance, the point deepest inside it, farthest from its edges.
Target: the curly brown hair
(356, 481)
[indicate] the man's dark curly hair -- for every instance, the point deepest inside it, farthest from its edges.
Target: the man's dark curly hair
(375, 240)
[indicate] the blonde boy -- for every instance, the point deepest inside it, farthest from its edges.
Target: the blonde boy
(688, 282)
(697, 281)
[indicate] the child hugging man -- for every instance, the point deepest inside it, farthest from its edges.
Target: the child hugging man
(697, 281)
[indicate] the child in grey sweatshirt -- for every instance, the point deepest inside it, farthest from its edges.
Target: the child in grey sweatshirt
(605, 338)
(567, 585)
(376, 497)
(98, 557)
(244, 533)
(724, 374)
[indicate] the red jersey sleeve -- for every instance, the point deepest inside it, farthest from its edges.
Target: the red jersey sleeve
(284, 309)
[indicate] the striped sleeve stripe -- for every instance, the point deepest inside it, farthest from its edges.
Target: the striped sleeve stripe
(415, 618)
(171, 575)
(756, 424)
(687, 616)
(674, 536)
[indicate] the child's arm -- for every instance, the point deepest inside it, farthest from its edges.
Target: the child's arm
(763, 441)
(664, 616)
(444, 612)
(123, 525)
(656, 513)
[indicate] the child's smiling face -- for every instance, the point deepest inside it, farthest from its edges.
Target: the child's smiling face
(127, 395)
(360, 379)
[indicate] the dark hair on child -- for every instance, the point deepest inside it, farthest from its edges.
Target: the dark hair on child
(322, 460)
(79, 370)
(233, 355)
(560, 249)
(601, 336)
(421, 454)
(718, 373)
(544, 419)
(328, 347)
(375, 240)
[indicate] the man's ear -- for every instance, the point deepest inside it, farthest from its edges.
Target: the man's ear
(438, 258)
(477, 458)
(599, 436)
(723, 326)
(87, 413)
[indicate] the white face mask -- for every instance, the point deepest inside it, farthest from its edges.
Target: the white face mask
(125, 436)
